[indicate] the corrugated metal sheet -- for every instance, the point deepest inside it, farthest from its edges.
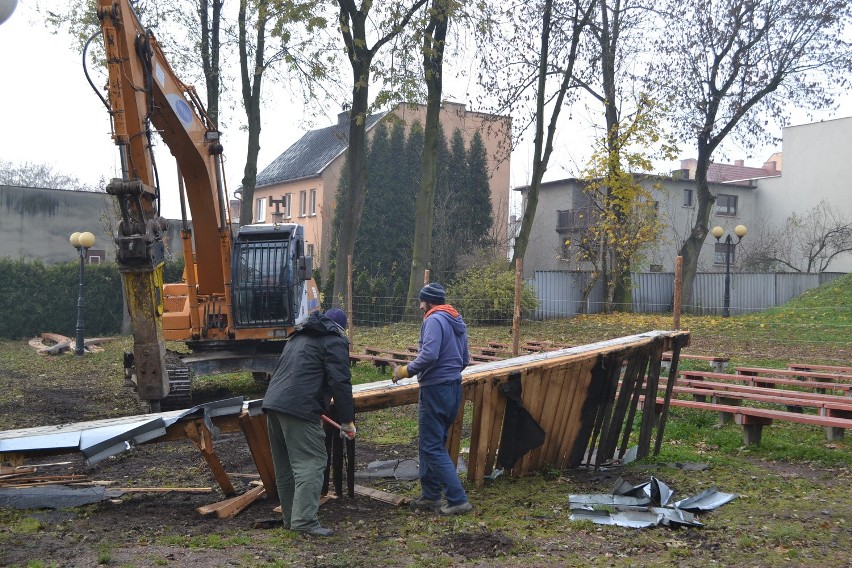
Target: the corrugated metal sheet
(653, 292)
(560, 293)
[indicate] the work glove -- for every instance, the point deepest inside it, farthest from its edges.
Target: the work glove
(400, 372)
(347, 430)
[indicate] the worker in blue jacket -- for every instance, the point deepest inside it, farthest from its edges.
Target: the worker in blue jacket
(441, 356)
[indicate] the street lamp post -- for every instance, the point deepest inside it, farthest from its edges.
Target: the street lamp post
(717, 232)
(82, 242)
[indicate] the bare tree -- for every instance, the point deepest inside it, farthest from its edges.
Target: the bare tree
(432, 49)
(31, 174)
(520, 71)
(355, 22)
(732, 66)
(294, 28)
(808, 242)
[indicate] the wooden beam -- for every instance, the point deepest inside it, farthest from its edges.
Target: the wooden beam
(231, 507)
(200, 436)
(382, 496)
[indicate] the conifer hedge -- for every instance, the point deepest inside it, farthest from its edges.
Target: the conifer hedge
(42, 298)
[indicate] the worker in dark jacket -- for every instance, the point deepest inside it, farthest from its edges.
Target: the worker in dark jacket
(442, 355)
(312, 369)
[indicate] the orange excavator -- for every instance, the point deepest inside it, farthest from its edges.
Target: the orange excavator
(242, 294)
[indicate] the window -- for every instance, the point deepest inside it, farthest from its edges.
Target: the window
(303, 203)
(287, 205)
(566, 249)
(726, 205)
(687, 197)
(310, 250)
(313, 210)
(95, 256)
(260, 212)
(719, 257)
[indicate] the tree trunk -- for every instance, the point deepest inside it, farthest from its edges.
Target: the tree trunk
(251, 102)
(692, 245)
(424, 214)
(353, 200)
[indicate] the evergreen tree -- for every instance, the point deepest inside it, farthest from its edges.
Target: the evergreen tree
(442, 229)
(477, 198)
(368, 257)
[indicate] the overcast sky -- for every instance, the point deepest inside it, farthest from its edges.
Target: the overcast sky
(49, 114)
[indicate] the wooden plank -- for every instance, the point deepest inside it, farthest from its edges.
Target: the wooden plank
(579, 383)
(791, 373)
(560, 423)
(475, 431)
(231, 507)
(197, 431)
(553, 413)
(583, 379)
(754, 379)
(257, 437)
(455, 435)
(486, 417)
(829, 368)
(548, 393)
(164, 489)
(498, 414)
(530, 388)
(382, 496)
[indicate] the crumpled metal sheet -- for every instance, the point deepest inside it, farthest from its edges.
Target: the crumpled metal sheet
(54, 496)
(403, 469)
(100, 439)
(707, 500)
(604, 499)
(644, 506)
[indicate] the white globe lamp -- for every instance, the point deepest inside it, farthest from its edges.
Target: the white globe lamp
(6, 9)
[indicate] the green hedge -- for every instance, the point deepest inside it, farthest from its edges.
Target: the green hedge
(40, 298)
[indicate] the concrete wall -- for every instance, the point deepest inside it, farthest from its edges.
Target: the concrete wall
(36, 223)
(815, 160)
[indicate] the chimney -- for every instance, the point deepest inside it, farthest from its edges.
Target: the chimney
(770, 167)
(739, 163)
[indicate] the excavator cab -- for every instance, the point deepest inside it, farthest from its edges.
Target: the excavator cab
(269, 272)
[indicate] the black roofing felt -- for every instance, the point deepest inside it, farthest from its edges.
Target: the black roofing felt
(311, 154)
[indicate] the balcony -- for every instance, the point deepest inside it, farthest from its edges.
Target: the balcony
(575, 219)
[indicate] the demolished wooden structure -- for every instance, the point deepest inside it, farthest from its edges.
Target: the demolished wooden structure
(572, 395)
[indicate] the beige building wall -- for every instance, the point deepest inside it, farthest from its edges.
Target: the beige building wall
(496, 136)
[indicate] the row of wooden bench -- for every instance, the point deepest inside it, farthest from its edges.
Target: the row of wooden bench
(493, 351)
(728, 391)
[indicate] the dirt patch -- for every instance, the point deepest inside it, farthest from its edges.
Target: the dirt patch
(485, 543)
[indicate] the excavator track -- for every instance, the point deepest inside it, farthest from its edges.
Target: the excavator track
(180, 384)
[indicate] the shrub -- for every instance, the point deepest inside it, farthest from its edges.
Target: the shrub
(486, 295)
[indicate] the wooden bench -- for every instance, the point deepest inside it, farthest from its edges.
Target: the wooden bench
(765, 381)
(718, 364)
(762, 371)
(376, 360)
(800, 375)
(807, 367)
(825, 405)
(754, 419)
(379, 352)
